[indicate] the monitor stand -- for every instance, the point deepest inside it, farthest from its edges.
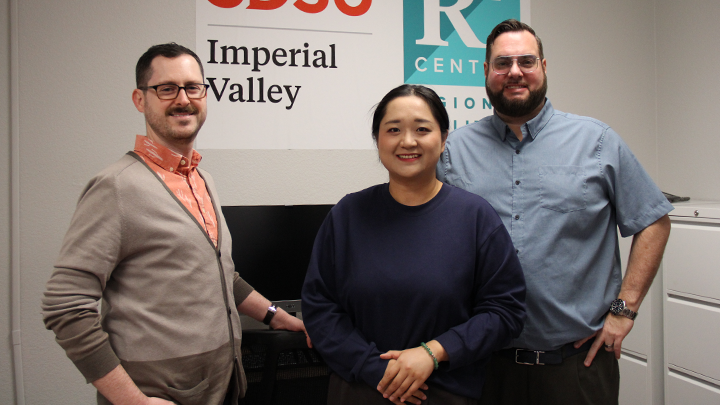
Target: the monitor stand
(293, 307)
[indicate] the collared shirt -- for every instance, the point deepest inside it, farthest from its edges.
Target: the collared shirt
(561, 192)
(182, 178)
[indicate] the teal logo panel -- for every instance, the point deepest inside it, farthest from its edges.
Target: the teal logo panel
(444, 40)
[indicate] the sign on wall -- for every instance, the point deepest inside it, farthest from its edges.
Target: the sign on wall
(305, 74)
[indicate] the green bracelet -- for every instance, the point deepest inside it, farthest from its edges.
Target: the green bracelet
(427, 349)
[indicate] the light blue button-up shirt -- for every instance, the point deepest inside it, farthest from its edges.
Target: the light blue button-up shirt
(562, 192)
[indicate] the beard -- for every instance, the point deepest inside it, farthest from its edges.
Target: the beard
(159, 124)
(517, 108)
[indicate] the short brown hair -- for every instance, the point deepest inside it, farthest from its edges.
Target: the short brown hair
(510, 25)
(143, 69)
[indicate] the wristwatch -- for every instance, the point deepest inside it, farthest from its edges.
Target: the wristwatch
(272, 310)
(617, 307)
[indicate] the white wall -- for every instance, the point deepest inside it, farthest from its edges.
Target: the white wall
(688, 100)
(77, 62)
(601, 58)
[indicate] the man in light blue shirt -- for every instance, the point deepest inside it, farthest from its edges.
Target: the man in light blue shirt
(562, 184)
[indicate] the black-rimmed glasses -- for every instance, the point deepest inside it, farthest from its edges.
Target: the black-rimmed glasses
(171, 91)
(526, 63)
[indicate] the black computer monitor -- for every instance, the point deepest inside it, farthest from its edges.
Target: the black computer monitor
(271, 247)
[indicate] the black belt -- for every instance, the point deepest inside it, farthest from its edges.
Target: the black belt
(540, 357)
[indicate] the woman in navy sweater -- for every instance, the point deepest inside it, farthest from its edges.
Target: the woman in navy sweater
(414, 283)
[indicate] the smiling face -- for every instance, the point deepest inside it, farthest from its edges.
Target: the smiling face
(173, 123)
(410, 140)
(516, 94)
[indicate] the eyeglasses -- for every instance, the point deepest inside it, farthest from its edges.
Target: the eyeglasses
(171, 91)
(526, 63)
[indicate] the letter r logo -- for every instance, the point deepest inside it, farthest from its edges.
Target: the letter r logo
(433, 9)
(441, 39)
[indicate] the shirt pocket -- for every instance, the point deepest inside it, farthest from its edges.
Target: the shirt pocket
(563, 188)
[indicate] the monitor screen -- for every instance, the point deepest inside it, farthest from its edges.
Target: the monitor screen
(271, 247)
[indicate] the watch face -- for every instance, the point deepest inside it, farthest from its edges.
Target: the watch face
(617, 306)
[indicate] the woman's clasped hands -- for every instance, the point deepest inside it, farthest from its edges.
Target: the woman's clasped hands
(407, 371)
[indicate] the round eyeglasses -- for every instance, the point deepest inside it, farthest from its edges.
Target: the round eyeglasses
(526, 63)
(171, 91)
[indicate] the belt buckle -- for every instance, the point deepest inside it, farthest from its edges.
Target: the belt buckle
(537, 357)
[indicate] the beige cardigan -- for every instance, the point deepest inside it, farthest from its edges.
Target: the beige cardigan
(168, 315)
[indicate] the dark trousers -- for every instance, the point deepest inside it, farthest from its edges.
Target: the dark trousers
(509, 383)
(342, 392)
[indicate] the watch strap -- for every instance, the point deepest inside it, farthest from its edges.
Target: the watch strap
(629, 314)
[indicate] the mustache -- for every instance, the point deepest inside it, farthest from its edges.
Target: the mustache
(189, 109)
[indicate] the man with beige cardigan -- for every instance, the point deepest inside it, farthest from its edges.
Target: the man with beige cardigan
(149, 240)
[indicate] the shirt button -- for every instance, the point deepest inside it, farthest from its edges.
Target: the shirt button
(171, 169)
(517, 151)
(517, 216)
(182, 162)
(517, 251)
(517, 182)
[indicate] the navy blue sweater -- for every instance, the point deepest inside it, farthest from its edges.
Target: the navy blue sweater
(385, 276)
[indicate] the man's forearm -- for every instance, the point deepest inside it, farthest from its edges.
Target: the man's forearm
(119, 388)
(256, 306)
(646, 254)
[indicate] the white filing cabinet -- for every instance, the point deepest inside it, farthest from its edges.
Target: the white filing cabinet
(691, 305)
